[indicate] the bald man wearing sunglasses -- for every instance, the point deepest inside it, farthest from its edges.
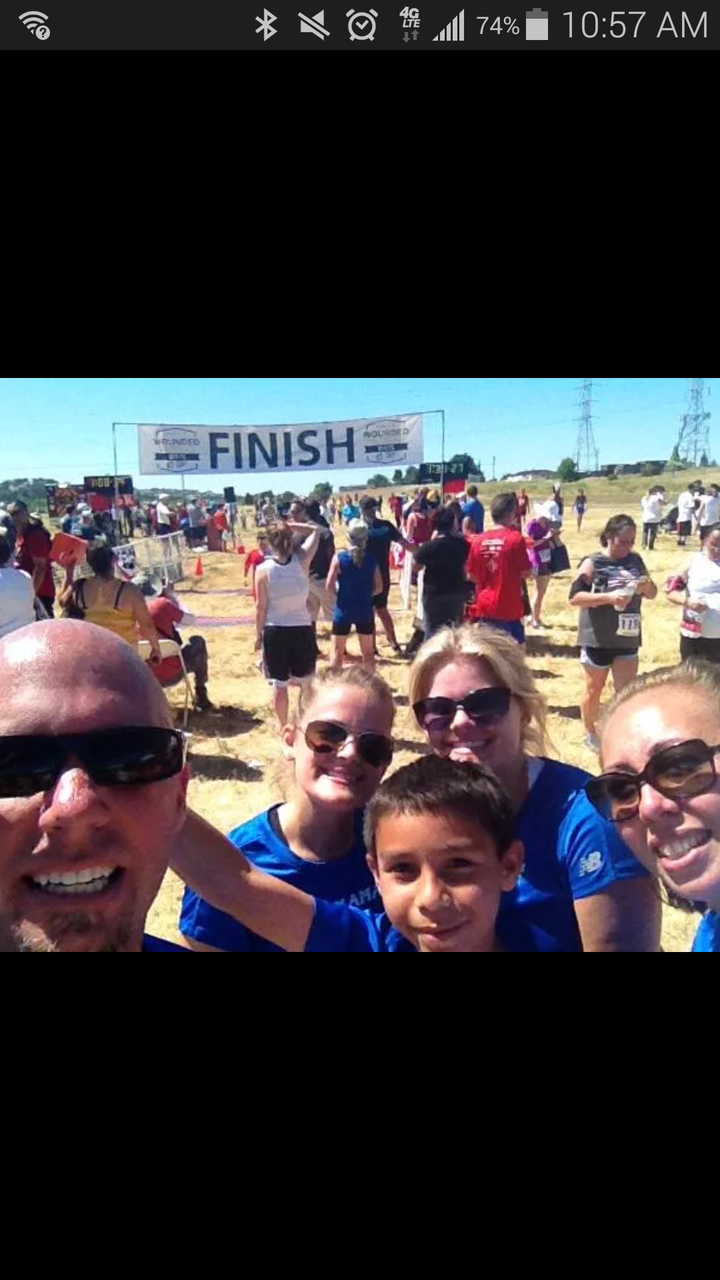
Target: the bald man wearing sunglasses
(92, 789)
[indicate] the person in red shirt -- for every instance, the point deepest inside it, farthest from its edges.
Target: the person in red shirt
(32, 553)
(254, 558)
(498, 564)
(167, 615)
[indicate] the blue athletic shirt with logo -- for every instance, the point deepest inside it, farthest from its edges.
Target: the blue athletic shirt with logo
(571, 852)
(339, 928)
(707, 937)
(347, 880)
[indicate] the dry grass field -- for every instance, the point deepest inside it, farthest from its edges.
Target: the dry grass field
(235, 757)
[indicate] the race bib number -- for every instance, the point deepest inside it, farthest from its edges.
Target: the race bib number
(546, 555)
(629, 624)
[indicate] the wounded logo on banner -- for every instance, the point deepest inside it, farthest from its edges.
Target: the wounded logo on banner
(177, 450)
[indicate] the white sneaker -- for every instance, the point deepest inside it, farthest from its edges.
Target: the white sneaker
(592, 743)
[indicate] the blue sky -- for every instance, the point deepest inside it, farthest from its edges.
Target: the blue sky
(61, 427)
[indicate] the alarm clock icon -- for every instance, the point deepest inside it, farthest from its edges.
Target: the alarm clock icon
(359, 20)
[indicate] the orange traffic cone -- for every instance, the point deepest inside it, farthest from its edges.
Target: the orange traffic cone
(199, 568)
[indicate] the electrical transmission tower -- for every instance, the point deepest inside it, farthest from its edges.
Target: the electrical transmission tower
(694, 439)
(587, 457)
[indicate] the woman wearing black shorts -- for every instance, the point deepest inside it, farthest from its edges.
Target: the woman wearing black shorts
(284, 629)
(608, 591)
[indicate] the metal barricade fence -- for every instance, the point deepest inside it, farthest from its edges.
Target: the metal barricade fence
(162, 557)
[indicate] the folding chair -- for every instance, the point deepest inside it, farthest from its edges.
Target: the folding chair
(169, 649)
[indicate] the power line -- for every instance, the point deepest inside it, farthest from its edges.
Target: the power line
(587, 457)
(694, 439)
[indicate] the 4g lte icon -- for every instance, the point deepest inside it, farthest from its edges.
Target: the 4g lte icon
(410, 17)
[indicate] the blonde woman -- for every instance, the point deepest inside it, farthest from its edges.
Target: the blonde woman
(581, 890)
(356, 575)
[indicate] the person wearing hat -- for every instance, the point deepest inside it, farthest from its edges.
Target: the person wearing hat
(32, 553)
(164, 522)
(356, 574)
(168, 614)
(380, 535)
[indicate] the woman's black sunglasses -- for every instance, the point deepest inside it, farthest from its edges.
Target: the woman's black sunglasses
(122, 757)
(484, 706)
(678, 773)
(324, 737)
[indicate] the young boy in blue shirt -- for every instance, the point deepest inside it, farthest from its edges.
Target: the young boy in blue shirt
(441, 848)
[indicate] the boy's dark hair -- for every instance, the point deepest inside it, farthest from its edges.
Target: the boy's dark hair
(441, 786)
(614, 526)
(472, 491)
(444, 520)
(502, 506)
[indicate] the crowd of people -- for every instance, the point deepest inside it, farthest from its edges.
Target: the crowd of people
(484, 843)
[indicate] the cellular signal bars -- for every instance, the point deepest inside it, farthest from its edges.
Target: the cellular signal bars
(454, 30)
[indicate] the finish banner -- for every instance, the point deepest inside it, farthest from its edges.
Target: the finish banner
(366, 443)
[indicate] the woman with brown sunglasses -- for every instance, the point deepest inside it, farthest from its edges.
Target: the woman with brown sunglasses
(475, 697)
(339, 749)
(660, 787)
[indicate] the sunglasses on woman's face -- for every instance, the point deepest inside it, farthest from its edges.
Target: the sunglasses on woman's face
(678, 773)
(324, 737)
(111, 757)
(484, 706)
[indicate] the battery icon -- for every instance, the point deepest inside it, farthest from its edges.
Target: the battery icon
(536, 25)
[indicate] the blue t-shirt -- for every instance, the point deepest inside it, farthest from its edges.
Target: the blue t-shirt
(355, 588)
(570, 852)
(707, 937)
(160, 944)
(339, 928)
(346, 880)
(476, 511)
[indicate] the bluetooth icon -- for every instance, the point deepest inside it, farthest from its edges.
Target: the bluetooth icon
(266, 24)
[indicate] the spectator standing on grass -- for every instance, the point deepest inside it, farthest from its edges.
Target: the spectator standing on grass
(523, 506)
(255, 558)
(652, 508)
(609, 591)
(685, 514)
(163, 516)
(445, 586)
(697, 590)
(539, 534)
(17, 597)
(498, 563)
(580, 507)
(473, 512)
(32, 553)
(381, 535)
(283, 625)
(356, 576)
(319, 598)
(709, 511)
(350, 511)
(338, 749)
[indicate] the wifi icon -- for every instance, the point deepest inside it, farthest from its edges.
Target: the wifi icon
(37, 22)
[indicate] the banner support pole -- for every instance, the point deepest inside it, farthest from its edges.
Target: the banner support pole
(442, 460)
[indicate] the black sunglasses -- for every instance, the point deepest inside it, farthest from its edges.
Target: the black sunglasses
(484, 706)
(678, 773)
(111, 757)
(324, 736)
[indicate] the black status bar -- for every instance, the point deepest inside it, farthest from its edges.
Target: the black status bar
(352, 26)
